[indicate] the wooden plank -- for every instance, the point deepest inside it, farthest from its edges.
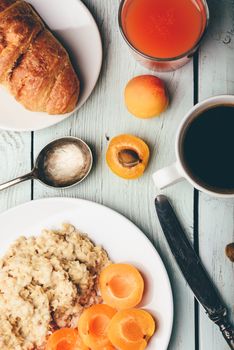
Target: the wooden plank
(105, 116)
(15, 160)
(216, 228)
(181, 90)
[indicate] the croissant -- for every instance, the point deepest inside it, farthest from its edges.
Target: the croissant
(34, 66)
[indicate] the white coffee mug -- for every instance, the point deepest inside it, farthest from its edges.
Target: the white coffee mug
(177, 172)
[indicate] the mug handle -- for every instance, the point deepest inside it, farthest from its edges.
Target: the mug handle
(168, 176)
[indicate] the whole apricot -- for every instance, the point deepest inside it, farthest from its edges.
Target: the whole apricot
(146, 96)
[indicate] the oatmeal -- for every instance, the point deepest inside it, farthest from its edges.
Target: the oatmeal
(45, 282)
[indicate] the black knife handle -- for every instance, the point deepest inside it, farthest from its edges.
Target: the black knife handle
(228, 333)
(225, 327)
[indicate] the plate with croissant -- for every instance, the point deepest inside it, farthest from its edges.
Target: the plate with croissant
(50, 60)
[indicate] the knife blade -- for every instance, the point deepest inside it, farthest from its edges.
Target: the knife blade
(192, 269)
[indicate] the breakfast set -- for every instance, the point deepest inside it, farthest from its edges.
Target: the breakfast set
(76, 293)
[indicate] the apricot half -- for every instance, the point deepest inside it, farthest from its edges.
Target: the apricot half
(127, 156)
(93, 325)
(65, 339)
(146, 96)
(131, 329)
(121, 286)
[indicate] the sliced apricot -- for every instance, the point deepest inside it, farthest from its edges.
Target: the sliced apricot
(93, 325)
(121, 286)
(65, 339)
(80, 344)
(131, 329)
(127, 156)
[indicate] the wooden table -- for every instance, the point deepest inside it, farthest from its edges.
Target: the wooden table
(209, 222)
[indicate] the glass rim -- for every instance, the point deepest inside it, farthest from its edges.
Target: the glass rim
(162, 59)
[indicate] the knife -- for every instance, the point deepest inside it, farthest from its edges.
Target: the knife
(192, 269)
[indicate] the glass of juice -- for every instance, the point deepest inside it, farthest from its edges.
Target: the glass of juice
(163, 34)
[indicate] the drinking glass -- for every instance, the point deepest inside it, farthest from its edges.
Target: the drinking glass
(163, 64)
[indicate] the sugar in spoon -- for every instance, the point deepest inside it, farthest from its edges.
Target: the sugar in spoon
(63, 163)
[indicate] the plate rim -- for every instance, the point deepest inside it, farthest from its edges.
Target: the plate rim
(138, 231)
(63, 117)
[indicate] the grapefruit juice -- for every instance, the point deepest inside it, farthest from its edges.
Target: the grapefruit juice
(163, 29)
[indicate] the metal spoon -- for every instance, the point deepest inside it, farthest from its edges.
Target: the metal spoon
(63, 163)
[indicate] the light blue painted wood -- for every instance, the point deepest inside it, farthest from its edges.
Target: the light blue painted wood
(105, 115)
(216, 217)
(14, 161)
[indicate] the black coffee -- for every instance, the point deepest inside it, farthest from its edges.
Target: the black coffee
(208, 149)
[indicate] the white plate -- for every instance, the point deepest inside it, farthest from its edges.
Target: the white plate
(123, 241)
(72, 22)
